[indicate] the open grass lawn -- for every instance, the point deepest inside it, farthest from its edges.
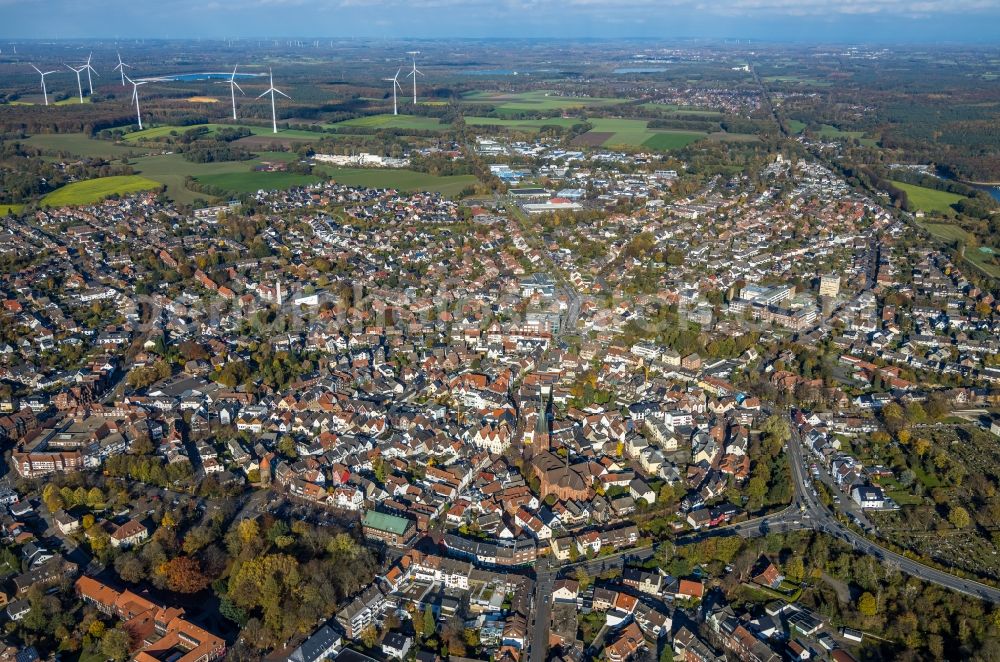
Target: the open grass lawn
(975, 255)
(947, 231)
(95, 190)
(387, 121)
(252, 181)
(79, 144)
(401, 179)
(522, 125)
(904, 498)
(928, 199)
(10, 209)
(796, 126)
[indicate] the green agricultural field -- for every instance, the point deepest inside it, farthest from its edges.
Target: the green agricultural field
(387, 121)
(928, 199)
(635, 133)
(171, 170)
(253, 181)
(81, 145)
(723, 137)
(674, 109)
(537, 100)
(95, 190)
(662, 141)
(401, 179)
(71, 100)
(155, 132)
(832, 132)
(522, 125)
(10, 209)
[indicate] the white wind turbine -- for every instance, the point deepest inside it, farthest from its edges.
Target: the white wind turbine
(135, 98)
(79, 85)
(121, 67)
(271, 90)
(395, 84)
(233, 86)
(45, 92)
(414, 72)
(89, 68)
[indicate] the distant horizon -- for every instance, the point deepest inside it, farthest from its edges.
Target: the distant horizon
(714, 41)
(876, 22)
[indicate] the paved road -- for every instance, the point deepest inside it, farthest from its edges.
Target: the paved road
(823, 520)
(806, 512)
(541, 611)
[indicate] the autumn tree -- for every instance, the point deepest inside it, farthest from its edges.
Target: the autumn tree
(867, 604)
(959, 517)
(130, 568)
(184, 575)
(116, 644)
(52, 499)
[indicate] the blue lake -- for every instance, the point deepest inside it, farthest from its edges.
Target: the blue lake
(639, 70)
(208, 76)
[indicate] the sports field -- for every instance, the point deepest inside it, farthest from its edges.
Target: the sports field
(522, 125)
(928, 199)
(388, 121)
(611, 132)
(252, 181)
(95, 190)
(401, 179)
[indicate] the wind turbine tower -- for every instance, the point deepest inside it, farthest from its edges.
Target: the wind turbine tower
(121, 67)
(135, 98)
(271, 90)
(79, 85)
(395, 84)
(43, 74)
(89, 68)
(414, 73)
(233, 86)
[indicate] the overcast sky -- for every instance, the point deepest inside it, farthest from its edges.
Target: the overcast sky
(780, 20)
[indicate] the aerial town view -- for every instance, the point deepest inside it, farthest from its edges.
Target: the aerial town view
(584, 331)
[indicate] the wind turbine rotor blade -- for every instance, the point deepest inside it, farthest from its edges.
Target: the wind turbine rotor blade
(237, 86)
(283, 94)
(36, 69)
(264, 94)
